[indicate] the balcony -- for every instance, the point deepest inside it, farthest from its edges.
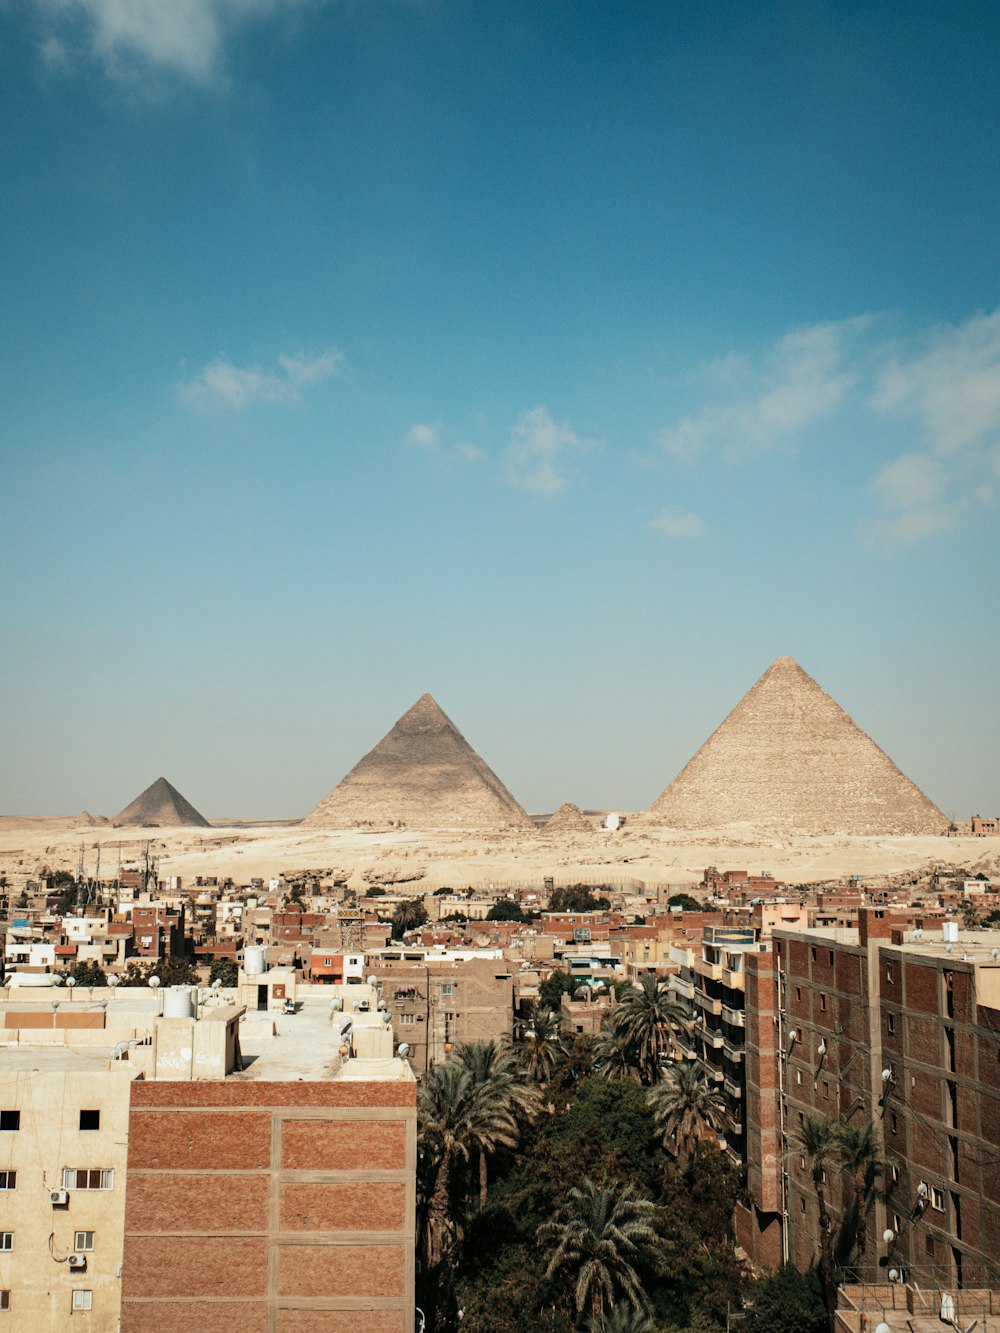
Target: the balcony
(737, 1017)
(682, 987)
(713, 1039)
(708, 1004)
(734, 1089)
(734, 1052)
(713, 971)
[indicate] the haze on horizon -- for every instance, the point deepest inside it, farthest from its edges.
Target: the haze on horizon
(568, 362)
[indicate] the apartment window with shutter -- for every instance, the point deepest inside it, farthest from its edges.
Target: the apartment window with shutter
(81, 1178)
(84, 1240)
(83, 1299)
(8, 1180)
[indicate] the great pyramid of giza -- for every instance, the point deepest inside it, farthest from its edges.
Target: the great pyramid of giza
(160, 806)
(788, 757)
(423, 774)
(569, 818)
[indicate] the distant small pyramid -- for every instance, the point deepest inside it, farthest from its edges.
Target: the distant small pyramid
(569, 818)
(423, 774)
(160, 806)
(788, 757)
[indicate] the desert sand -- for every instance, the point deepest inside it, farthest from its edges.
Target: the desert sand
(428, 860)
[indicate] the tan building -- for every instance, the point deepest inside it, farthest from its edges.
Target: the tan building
(170, 1161)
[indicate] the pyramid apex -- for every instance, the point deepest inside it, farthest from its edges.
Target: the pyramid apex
(784, 662)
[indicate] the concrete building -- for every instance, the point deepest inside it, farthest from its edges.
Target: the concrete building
(174, 1161)
(897, 1024)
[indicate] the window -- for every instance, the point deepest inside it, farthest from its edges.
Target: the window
(893, 1123)
(84, 1240)
(802, 1205)
(10, 1120)
(822, 1003)
(802, 1163)
(831, 958)
(407, 1019)
(83, 1299)
(897, 1225)
(8, 1180)
(4, 1300)
(90, 1119)
(813, 953)
(888, 972)
(6, 1240)
(895, 1178)
(937, 1199)
(798, 994)
(798, 1076)
(80, 1178)
(890, 1023)
(447, 988)
(826, 1090)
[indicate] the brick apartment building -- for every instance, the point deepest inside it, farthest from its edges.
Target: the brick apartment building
(894, 1023)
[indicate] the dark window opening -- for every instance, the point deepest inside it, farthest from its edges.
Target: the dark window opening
(90, 1119)
(10, 1120)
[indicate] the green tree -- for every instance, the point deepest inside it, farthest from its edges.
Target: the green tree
(860, 1148)
(616, 1056)
(409, 915)
(553, 988)
(542, 1045)
(505, 910)
(786, 1302)
(225, 970)
(577, 898)
(24, 900)
(603, 1236)
(685, 902)
(683, 1102)
(377, 892)
(622, 1318)
(496, 1077)
(644, 1019)
(88, 973)
(817, 1140)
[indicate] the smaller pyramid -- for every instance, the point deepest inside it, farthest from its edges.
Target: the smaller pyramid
(569, 818)
(423, 774)
(160, 806)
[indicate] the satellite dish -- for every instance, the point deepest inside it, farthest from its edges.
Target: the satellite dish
(793, 1035)
(918, 934)
(888, 1235)
(821, 1048)
(995, 954)
(404, 1050)
(886, 1075)
(71, 982)
(922, 1190)
(373, 980)
(112, 980)
(217, 983)
(153, 982)
(336, 1004)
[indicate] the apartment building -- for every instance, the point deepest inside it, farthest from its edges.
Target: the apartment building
(172, 1161)
(898, 1024)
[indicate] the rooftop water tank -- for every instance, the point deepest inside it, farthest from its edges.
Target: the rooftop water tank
(254, 961)
(178, 1002)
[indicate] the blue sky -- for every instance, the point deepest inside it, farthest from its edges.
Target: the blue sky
(570, 361)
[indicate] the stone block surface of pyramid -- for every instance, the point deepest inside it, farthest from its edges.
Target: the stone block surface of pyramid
(161, 806)
(423, 774)
(569, 818)
(789, 757)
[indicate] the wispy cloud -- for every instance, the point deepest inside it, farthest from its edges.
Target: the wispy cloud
(539, 452)
(183, 38)
(223, 384)
(437, 439)
(950, 385)
(679, 523)
(801, 378)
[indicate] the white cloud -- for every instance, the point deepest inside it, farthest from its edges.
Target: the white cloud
(422, 435)
(535, 459)
(125, 37)
(949, 385)
(803, 378)
(679, 523)
(222, 384)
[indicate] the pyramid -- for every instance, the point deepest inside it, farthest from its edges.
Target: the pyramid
(569, 818)
(424, 774)
(160, 806)
(788, 757)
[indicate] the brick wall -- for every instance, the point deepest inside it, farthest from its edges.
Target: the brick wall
(270, 1207)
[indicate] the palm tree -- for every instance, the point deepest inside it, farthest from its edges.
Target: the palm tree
(615, 1055)
(499, 1083)
(622, 1318)
(684, 1101)
(860, 1148)
(601, 1235)
(645, 1017)
(409, 914)
(817, 1140)
(542, 1046)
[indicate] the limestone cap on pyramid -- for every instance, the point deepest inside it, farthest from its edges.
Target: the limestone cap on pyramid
(423, 774)
(789, 757)
(161, 806)
(569, 818)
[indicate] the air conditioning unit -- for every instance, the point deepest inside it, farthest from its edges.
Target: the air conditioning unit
(77, 1261)
(59, 1198)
